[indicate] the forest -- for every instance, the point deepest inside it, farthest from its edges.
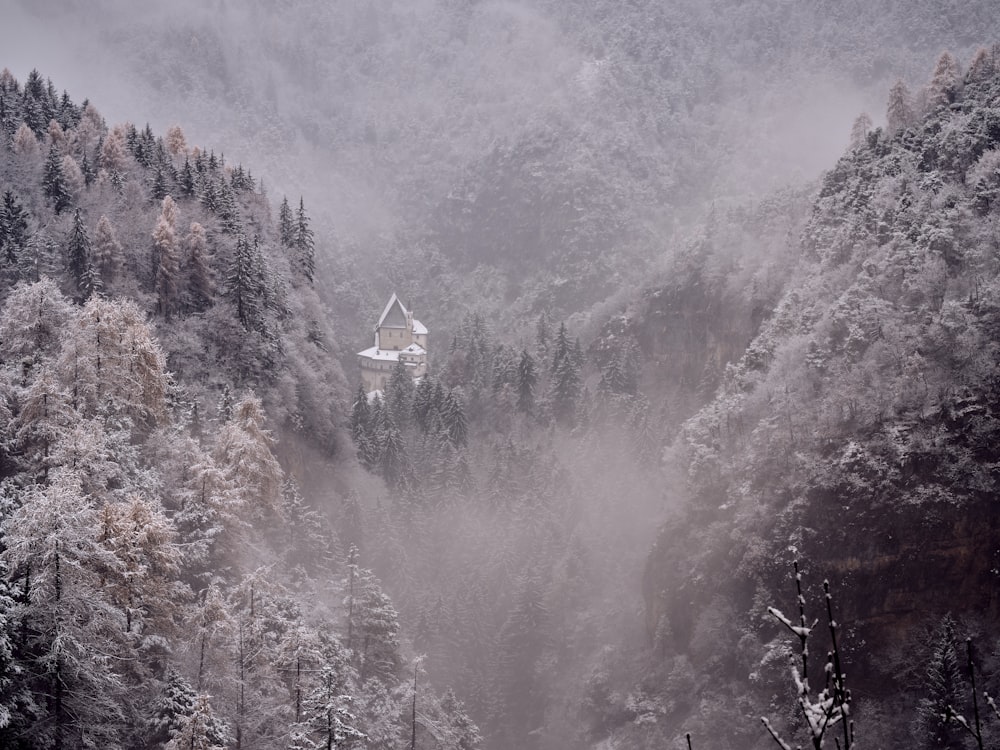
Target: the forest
(695, 340)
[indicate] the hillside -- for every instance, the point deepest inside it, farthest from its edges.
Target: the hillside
(857, 433)
(172, 409)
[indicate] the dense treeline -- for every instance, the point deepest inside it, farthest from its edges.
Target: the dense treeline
(857, 431)
(165, 580)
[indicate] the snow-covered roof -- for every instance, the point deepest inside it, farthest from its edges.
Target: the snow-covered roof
(418, 328)
(396, 321)
(391, 355)
(386, 355)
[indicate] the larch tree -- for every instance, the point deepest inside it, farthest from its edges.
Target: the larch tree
(113, 153)
(200, 284)
(33, 320)
(175, 141)
(860, 129)
(899, 110)
(166, 259)
(946, 81)
(243, 452)
(107, 251)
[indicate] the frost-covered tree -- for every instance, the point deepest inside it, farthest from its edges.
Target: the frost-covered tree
(944, 690)
(899, 110)
(526, 380)
(166, 260)
(286, 224)
(54, 184)
(945, 82)
(80, 260)
(13, 229)
(73, 634)
(199, 289)
(108, 252)
(244, 285)
(304, 261)
(243, 453)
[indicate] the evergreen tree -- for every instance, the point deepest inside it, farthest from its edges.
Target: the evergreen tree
(305, 251)
(54, 183)
(79, 260)
(201, 729)
(286, 224)
(327, 720)
(399, 393)
(565, 385)
(453, 420)
(423, 403)
(188, 183)
(944, 691)
(243, 287)
(73, 633)
(526, 380)
(13, 229)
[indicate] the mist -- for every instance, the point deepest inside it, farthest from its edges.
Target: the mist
(617, 223)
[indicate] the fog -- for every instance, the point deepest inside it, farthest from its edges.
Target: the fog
(505, 166)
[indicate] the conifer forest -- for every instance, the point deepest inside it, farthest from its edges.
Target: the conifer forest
(499, 375)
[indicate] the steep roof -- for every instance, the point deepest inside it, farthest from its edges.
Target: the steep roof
(394, 314)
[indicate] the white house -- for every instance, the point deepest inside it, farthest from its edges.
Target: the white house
(398, 338)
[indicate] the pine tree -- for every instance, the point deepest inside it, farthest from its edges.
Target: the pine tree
(79, 260)
(944, 690)
(526, 380)
(13, 229)
(423, 403)
(188, 183)
(200, 730)
(565, 385)
(453, 420)
(286, 224)
(54, 184)
(305, 250)
(399, 393)
(327, 720)
(243, 285)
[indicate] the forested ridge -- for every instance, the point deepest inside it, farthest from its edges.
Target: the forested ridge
(268, 558)
(856, 432)
(166, 580)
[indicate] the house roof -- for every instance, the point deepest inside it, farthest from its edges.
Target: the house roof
(394, 314)
(419, 328)
(385, 355)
